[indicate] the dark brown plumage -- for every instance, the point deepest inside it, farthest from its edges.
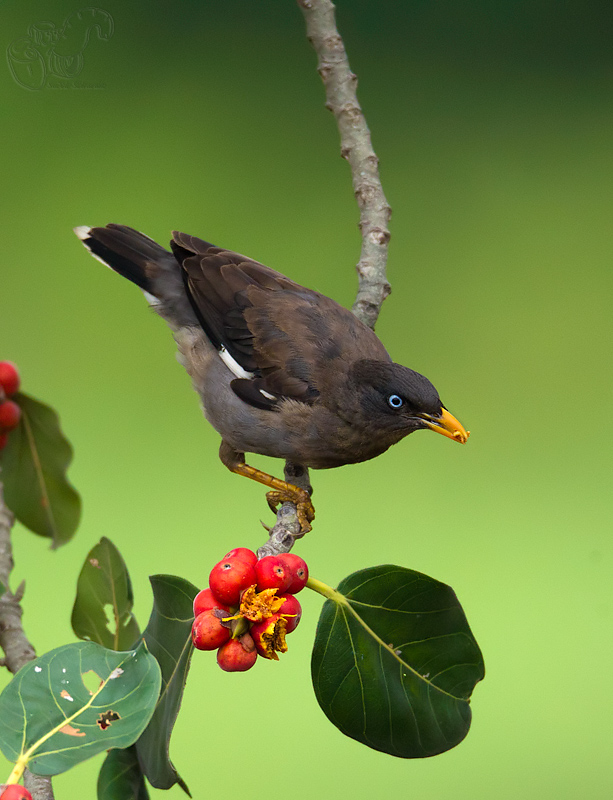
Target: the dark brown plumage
(281, 370)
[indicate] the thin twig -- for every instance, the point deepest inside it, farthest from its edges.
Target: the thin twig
(340, 83)
(356, 147)
(17, 649)
(13, 640)
(287, 528)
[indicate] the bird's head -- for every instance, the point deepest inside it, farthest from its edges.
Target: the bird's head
(400, 400)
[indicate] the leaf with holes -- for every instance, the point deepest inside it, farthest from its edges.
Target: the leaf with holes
(34, 464)
(395, 662)
(74, 702)
(121, 778)
(103, 606)
(168, 636)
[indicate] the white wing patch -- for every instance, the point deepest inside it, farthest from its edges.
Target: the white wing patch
(151, 298)
(236, 369)
(233, 365)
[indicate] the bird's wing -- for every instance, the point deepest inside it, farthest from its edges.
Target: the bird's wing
(280, 333)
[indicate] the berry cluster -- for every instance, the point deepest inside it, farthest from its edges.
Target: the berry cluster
(10, 413)
(13, 791)
(249, 607)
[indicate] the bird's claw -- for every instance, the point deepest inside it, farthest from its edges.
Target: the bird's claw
(301, 499)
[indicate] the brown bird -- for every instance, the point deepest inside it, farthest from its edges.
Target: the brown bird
(281, 370)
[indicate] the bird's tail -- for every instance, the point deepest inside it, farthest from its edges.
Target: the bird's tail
(128, 252)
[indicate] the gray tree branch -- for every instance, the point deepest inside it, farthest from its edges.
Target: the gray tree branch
(281, 538)
(340, 84)
(13, 640)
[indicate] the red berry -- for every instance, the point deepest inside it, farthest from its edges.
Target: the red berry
(291, 611)
(244, 553)
(233, 656)
(10, 413)
(9, 380)
(230, 578)
(3, 440)
(207, 631)
(272, 573)
(205, 600)
(14, 791)
(299, 571)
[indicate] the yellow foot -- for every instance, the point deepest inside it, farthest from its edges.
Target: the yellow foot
(302, 501)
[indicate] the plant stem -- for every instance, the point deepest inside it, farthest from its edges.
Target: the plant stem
(13, 640)
(17, 772)
(327, 591)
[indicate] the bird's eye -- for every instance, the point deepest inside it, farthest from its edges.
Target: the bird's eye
(395, 401)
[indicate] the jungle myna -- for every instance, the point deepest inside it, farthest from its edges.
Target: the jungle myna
(281, 370)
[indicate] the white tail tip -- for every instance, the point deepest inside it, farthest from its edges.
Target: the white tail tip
(82, 231)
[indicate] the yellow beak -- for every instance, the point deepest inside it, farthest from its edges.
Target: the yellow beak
(448, 425)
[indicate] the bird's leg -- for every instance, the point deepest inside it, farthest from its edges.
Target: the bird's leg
(298, 475)
(283, 492)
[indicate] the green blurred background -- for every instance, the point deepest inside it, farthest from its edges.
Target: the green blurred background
(492, 121)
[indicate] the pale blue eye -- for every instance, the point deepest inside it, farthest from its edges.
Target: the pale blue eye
(395, 401)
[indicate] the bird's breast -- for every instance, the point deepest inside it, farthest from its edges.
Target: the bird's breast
(319, 438)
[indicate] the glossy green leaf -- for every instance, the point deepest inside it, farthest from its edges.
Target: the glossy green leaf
(76, 701)
(395, 662)
(121, 778)
(34, 464)
(168, 636)
(103, 606)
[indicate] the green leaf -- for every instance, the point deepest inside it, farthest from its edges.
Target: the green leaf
(121, 778)
(3, 588)
(104, 590)
(34, 464)
(395, 662)
(168, 637)
(74, 702)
